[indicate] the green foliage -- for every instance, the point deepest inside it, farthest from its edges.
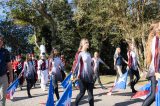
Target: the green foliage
(106, 23)
(15, 36)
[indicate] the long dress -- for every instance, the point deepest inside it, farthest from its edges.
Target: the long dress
(43, 69)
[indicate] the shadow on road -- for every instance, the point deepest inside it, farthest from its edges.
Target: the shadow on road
(86, 96)
(22, 98)
(127, 103)
(123, 94)
(85, 102)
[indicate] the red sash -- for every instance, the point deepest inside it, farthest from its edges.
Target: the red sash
(130, 60)
(156, 54)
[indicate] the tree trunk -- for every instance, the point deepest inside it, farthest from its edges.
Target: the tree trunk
(36, 31)
(144, 50)
(54, 35)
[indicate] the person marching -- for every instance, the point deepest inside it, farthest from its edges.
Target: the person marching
(118, 59)
(153, 61)
(73, 70)
(64, 63)
(133, 66)
(35, 63)
(63, 59)
(85, 73)
(96, 61)
(29, 73)
(43, 68)
(5, 65)
(15, 63)
(55, 67)
(19, 69)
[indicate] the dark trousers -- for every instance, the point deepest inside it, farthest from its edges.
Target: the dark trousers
(132, 79)
(96, 76)
(14, 75)
(83, 87)
(55, 84)
(30, 83)
(151, 98)
(35, 79)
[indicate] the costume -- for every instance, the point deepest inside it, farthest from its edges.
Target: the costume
(57, 66)
(43, 69)
(154, 67)
(85, 77)
(133, 69)
(96, 62)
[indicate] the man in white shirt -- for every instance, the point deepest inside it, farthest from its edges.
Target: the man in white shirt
(133, 67)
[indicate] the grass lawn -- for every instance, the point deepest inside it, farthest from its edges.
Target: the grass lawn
(108, 79)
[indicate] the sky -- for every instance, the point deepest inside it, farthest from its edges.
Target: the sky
(2, 15)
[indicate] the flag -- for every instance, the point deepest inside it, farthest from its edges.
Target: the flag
(121, 83)
(158, 94)
(11, 89)
(141, 94)
(65, 99)
(50, 101)
(146, 87)
(77, 84)
(66, 81)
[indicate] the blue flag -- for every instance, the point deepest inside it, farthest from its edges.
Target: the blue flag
(158, 94)
(121, 83)
(66, 81)
(77, 84)
(11, 89)
(50, 101)
(65, 99)
(143, 92)
(146, 87)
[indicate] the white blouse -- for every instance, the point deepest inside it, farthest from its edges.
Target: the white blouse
(152, 66)
(57, 66)
(96, 63)
(86, 71)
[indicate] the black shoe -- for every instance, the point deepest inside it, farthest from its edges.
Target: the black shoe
(29, 96)
(134, 91)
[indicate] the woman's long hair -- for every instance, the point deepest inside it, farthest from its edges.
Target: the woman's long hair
(116, 51)
(153, 26)
(54, 53)
(81, 44)
(28, 57)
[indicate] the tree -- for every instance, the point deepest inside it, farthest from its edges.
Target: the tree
(106, 23)
(51, 20)
(16, 36)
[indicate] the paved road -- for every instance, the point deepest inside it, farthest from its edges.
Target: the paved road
(119, 98)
